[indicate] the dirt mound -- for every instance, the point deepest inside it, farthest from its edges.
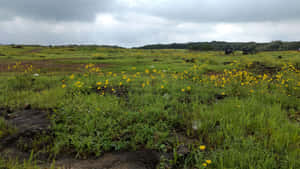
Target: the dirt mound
(28, 123)
(261, 68)
(146, 159)
(294, 117)
(119, 91)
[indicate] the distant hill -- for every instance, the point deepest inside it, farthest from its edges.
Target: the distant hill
(67, 45)
(220, 45)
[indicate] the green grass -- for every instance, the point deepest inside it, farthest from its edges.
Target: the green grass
(244, 109)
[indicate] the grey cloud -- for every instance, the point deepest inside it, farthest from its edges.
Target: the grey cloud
(146, 30)
(177, 10)
(54, 10)
(147, 21)
(223, 10)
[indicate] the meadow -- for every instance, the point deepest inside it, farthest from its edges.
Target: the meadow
(189, 109)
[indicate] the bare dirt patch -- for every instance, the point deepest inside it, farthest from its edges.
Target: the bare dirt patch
(294, 117)
(47, 65)
(28, 124)
(145, 159)
(119, 91)
(37, 50)
(261, 68)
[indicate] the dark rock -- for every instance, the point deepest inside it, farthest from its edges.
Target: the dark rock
(17, 46)
(27, 107)
(227, 63)
(183, 150)
(229, 51)
(220, 96)
(193, 60)
(248, 50)
(28, 123)
(217, 124)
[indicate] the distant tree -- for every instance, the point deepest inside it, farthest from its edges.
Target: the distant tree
(250, 49)
(221, 46)
(274, 46)
(201, 47)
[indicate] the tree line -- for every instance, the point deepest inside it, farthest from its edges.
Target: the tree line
(220, 45)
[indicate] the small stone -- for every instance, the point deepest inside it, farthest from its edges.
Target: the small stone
(183, 150)
(27, 107)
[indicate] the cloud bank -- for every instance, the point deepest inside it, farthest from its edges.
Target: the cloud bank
(138, 22)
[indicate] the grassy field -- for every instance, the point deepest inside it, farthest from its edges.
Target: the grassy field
(194, 109)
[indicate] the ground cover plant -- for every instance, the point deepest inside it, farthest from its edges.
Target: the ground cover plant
(187, 109)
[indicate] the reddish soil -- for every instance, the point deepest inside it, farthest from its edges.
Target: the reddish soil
(47, 65)
(37, 50)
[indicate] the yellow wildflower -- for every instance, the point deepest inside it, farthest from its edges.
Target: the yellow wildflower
(208, 161)
(202, 147)
(212, 77)
(72, 76)
(265, 77)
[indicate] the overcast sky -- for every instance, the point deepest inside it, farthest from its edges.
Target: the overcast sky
(138, 22)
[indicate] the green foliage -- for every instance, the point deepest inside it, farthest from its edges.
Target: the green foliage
(5, 129)
(102, 125)
(244, 109)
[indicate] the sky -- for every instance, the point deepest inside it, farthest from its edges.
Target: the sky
(131, 23)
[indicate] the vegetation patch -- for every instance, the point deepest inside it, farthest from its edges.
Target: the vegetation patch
(234, 111)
